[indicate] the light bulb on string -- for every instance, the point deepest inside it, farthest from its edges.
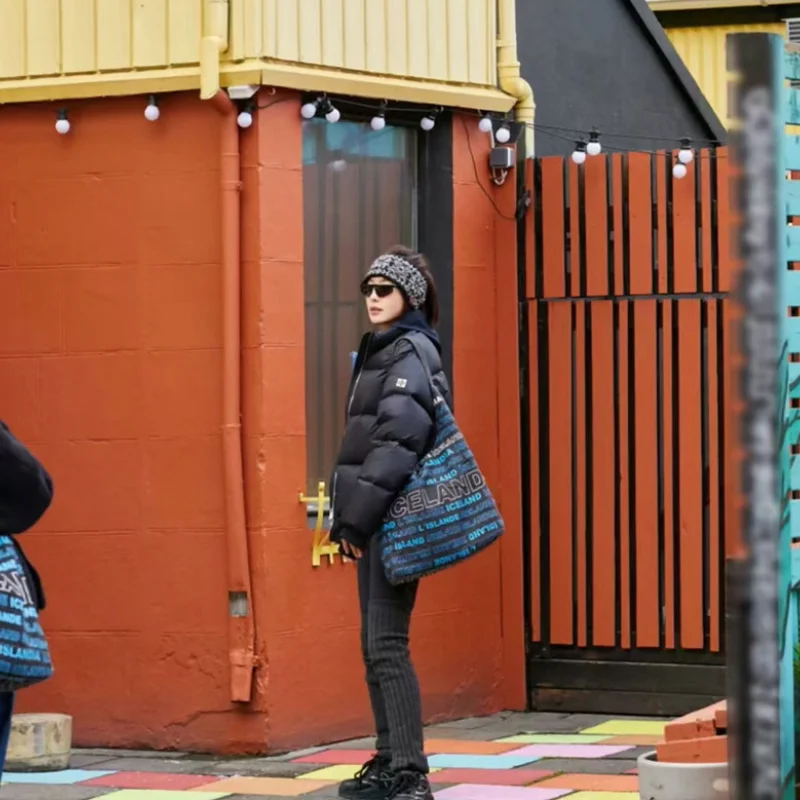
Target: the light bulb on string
(679, 171)
(245, 117)
(334, 115)
(594, 148)
(579, 154)
(686, 154)
(503, 133)
(427, 123)
(62, 123)
(485, 125)
(151, 110)
(378, 122)
(309, 110)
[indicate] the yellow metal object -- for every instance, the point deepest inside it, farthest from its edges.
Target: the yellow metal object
(702, 49)
(699, 5)
(321, 544)
(508, 71)
(439, 52)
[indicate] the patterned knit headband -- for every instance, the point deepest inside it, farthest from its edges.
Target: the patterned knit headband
(403, 274)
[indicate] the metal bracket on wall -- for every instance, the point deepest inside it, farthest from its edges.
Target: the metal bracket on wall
(321, 544)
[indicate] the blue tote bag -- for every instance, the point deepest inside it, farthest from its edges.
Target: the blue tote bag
(445, 513)
(24, 654)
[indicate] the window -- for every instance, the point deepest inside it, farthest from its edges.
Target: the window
(359, 198)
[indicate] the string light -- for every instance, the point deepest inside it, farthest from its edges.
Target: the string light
(594, 148)
(503, 133)
(679, 171)
(485, 125)
(308, 110)
(686, 154)
(579, 154)
(245, 116)
(378, 122)
(323, 105)
(62, 123)
(428, 122)
(151, 111)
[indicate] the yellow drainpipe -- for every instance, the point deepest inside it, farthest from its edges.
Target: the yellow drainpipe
(216, 14)
(508, 71)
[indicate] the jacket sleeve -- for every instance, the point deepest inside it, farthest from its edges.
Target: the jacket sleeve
(26, 490)
(403, 429)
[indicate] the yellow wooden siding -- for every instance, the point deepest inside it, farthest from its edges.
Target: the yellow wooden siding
(449, 41)
(703, 51)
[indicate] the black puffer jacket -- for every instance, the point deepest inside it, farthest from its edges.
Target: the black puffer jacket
(389, 425)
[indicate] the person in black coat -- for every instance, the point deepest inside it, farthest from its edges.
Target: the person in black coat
(26, 492)
(389, 428)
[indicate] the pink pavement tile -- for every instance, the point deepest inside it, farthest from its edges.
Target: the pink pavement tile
(336, 757)
(496, 777)
(567, 751)
(151, 780)
(474, 791)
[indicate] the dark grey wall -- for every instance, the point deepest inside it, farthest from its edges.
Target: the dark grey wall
(593, 63)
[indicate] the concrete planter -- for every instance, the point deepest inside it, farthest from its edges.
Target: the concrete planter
(39, 743)
(681, 781)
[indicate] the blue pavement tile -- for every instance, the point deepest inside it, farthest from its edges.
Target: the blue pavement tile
(479, 762)
(66, 777)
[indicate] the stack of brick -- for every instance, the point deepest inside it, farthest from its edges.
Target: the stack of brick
(698, 738)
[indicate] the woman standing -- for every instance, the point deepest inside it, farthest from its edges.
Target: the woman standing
(389, 427)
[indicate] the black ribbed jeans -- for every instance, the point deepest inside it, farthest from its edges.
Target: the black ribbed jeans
(391, 680)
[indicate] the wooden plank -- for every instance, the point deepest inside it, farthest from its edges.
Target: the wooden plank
(662, 286)
(688, 530)
(667, 463)
(684, 226)
(645, 472)
(535, 533)
(640, 223)
(624, 484)
(43, 38)
(582, 532)
(725, 264)
(595, 216)
(713, 408)
(559, 377)
(706, 233)
(532, 267)
(552, 233)
(604, 479)
(620, 278)
(12, 39)
(575, 255)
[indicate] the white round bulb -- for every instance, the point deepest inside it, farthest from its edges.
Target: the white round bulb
(308, 110)
(152, 113)
(594, 148)
(377, 123)
(485, 125)
(579, 156)
(340, 165)
(334, 115)
(427, 123)
(679, 171)
(503, 134)
(686, 156)
(245, 119)
(62, 126)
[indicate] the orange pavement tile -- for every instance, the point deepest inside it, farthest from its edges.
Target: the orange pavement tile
(457, 747)
(591, 783)
(280, 787)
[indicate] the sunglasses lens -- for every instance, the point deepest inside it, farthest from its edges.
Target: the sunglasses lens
(380, 289)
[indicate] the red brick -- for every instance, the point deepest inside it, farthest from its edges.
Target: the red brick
(183, 306)
(19, 388)
(274, 378)
(102, 308)
(473, 222)
(592, 783)
(707, 750)
(695, 724)
(280, 215)
(32, 321)
(92, 396)
(183, 393)
(184, 484)
(279, 131)
(281, 463)
(273, 303)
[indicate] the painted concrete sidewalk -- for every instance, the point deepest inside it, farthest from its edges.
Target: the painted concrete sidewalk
(502, 757)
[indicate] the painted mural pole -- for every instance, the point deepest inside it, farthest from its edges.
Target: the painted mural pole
(761, 640)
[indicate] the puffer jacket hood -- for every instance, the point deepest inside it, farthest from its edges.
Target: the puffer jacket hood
(389, 425)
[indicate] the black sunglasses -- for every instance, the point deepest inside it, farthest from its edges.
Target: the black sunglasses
(380, 289)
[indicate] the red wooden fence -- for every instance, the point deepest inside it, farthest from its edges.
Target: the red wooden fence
(626, 318)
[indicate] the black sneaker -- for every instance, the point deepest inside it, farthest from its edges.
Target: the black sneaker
(371, 782)
(409, 785)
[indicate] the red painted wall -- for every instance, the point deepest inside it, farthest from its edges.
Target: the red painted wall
(110, 369)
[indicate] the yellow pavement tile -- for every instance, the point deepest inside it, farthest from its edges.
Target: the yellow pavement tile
(161, 794)
(602, 795)
(278, 787)
(633, 727)
(332, 774)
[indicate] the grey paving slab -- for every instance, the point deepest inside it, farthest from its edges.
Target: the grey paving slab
(587, 766)
(105, 751)
(84, 760)
(633, 753)
(21, 791)
(261, 768)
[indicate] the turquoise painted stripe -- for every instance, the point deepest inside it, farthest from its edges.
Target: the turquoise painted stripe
(791, 106)
(795, 520)
(792, 194)
(792, 242)
(791, 66)
(794, 480)
(794, 380)
(792, 287)
(791, 151)
(792, 332)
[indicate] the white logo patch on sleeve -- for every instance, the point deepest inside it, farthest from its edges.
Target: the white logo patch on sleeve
(401, 383)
